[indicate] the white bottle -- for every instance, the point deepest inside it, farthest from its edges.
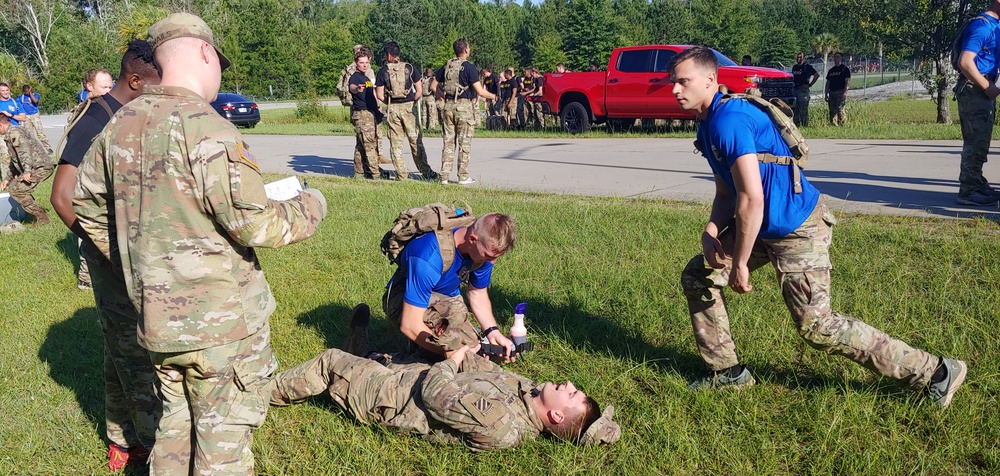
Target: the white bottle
(519, 333)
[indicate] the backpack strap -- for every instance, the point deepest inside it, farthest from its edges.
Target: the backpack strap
(83, 110)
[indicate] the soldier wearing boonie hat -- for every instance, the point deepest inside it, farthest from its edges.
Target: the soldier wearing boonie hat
(186, 247)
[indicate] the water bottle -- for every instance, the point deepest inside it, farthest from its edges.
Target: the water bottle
(519, 333)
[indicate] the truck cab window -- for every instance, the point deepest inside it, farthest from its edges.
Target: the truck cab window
(636, 61)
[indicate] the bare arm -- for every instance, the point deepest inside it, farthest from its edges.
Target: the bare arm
(412, 326)
(749, 217)
(482, 308)
(723, 209)
(480, 90)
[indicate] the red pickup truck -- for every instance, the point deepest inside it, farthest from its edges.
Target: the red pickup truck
(637, 86)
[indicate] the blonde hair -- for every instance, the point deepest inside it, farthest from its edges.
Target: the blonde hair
(497, 230)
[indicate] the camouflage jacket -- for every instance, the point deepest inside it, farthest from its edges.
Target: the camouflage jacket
(170, 188)
(487, 410)
(27, 154)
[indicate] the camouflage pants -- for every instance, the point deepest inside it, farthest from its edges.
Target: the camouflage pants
(491, 108)
(459, 124)
(34, 122)
(803, 267)
(837, 115)
(212, 399)
(439, 104)
(507, 111)
(20, 191)
(538, 116)
(976, 112)
(369, 391)
(366, 145)
(402, 124)
(4, 159)
(131, 404)
(430, 112)
(447, 317)
(801, 112)
(524, 115)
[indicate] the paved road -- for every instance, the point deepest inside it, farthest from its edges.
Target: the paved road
(869, 176)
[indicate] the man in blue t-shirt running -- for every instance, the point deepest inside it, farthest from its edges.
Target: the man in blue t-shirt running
(759, 216)
(976, 92)
(424, 301)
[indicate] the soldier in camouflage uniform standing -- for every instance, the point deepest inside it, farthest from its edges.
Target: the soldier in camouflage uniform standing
(398, 85)
(487, 410)
(30, 165)
(187, 250)
(365, 114)
(759, 214)
(346, 98)
(460, 82)
(131, 405)
(428, 104)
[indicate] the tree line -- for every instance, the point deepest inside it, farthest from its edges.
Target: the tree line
(295, 48)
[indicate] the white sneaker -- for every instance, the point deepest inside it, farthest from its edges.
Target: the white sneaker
(468, 181)
(444, 181)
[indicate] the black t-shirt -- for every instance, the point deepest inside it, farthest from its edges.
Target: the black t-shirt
(382, 79)
(503, 90)
(527, 85)
(837, 78)
(539, 82)
(802, 74)
(512, 85)
(83, 133)
(490, 84)
(365, 99)
(466, 77)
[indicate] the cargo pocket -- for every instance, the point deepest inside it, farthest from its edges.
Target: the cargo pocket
(253, 379)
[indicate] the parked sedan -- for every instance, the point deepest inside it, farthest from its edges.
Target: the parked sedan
(238, 109)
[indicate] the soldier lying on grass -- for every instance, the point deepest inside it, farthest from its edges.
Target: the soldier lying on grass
(484, 410)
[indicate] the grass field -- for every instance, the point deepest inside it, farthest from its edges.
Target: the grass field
(898, 118)
(601, 278)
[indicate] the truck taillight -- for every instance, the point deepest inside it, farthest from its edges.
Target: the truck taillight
(752, 81)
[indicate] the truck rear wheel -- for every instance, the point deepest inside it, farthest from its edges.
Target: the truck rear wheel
(575, 118)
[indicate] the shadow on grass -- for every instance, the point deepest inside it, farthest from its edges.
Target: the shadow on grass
(332, 321)
(70, 249)
(74, 350)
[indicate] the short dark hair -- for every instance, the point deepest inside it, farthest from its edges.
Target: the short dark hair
(138, 60)
(4, 83)
(391, 48)
(365, 52)
(703, 58)
(460, 46)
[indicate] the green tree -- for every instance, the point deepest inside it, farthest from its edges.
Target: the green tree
(730, 26)
(591, 33)
(825, 44)
(329, 52)
(777, 47)
(670, 21)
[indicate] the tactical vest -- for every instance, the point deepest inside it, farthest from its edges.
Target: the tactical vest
(77, 113)
(780, 115)
(436, 218)
(398, 86)
(452, 71)
(343, 87)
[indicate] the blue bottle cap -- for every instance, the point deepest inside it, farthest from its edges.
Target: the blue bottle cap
(519, 309)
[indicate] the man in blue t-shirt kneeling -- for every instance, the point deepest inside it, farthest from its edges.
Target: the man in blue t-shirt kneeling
(757, 216)
(424, 301)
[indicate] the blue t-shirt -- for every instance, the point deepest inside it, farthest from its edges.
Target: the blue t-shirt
(82, 95)
(739, 128)
(26, 104)
(980, 37)
(422, 259)
(12, 106)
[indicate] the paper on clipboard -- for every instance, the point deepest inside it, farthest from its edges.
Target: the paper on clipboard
(283, 189)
